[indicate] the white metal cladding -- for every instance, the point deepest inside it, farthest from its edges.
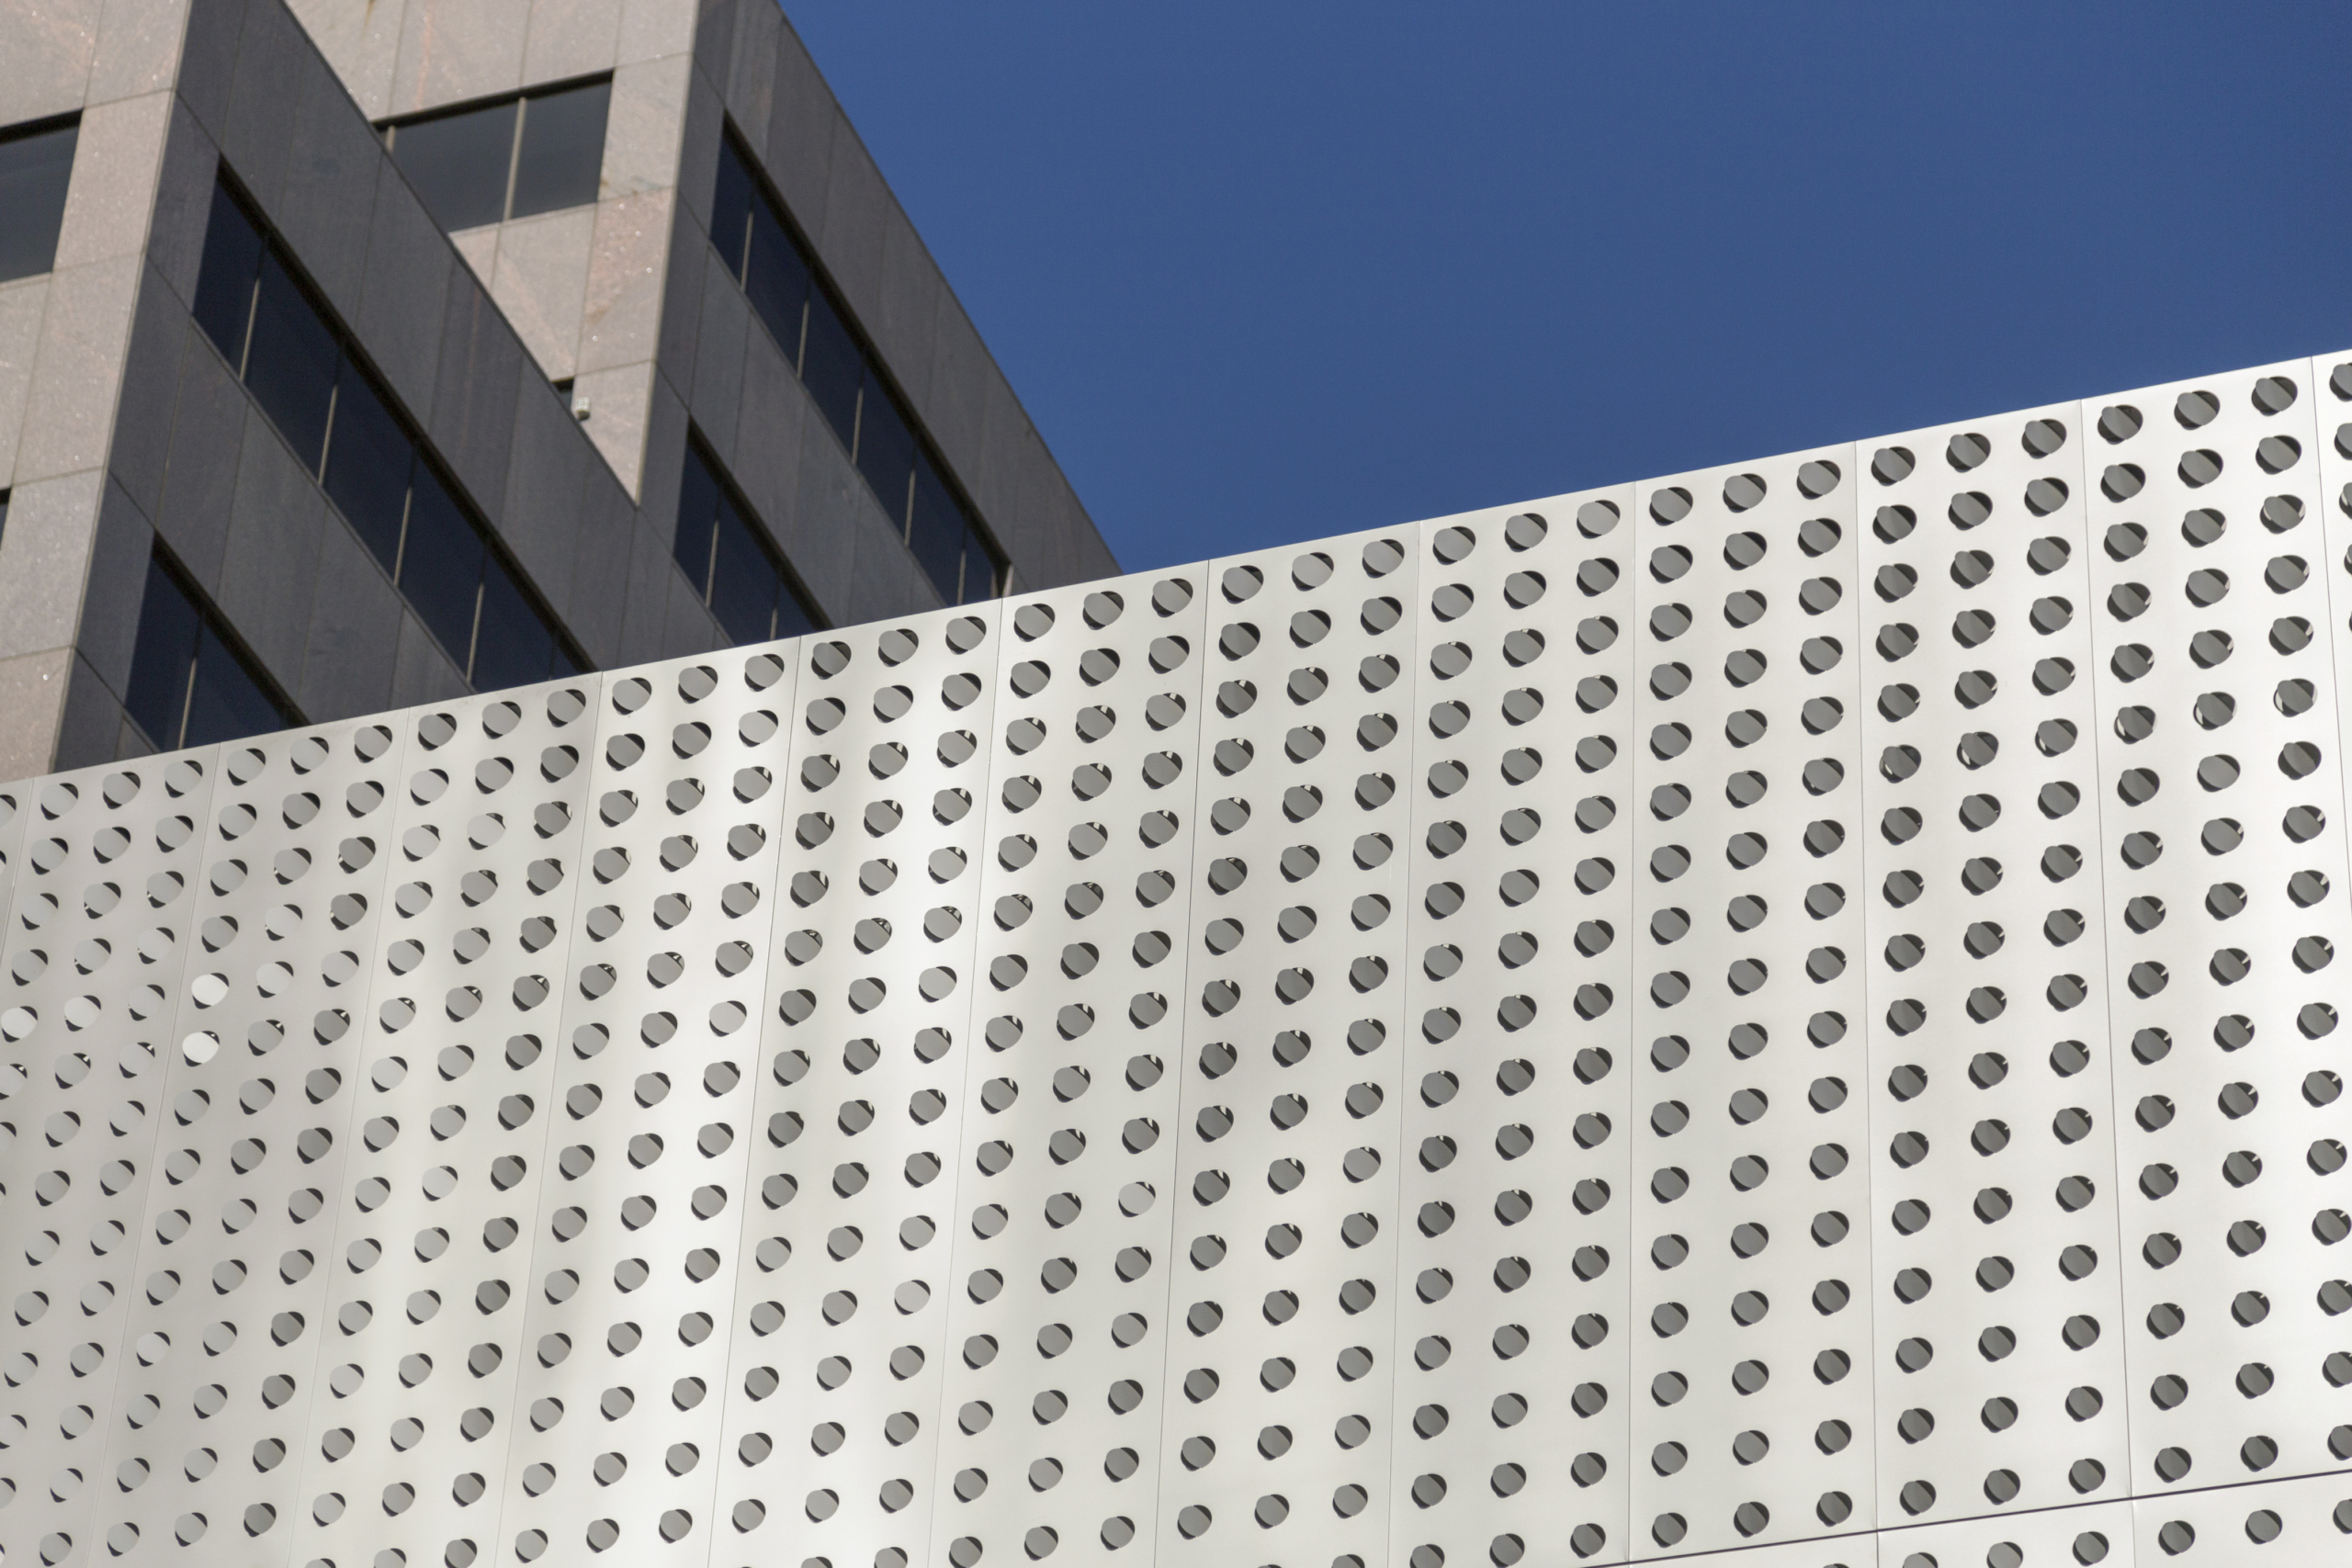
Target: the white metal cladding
(835, 1382)
(1515, 1170)
(1279, 1410)
(2223, 817)
(1113, 1074)
(1752, 1313)
(427, 1266)
(1995, 1270)
(1066, 1193)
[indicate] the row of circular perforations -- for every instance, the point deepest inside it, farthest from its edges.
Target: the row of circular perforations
(635, 1251)
(2222, 799)
(422, 1337)
(2001, 1379)
(833, 1384)
(1070, 1113)
(1752, 1322)
(98, 923)
(1278, 1410)
(2054, 1538)
(2304, 1520)
(253, 1132)
(1510, 1427)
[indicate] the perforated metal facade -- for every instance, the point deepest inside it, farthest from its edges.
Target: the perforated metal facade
(1785, 1010)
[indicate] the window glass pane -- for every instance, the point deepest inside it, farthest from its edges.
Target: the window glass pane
(224, 283)
(368, 464)
(441, 566)
(290, 366)
(980, 569)
(459, 164)
(159, 660)
(937, 535)
(744, 581)
(793, 617)
(515, 646)
(563, 150)
(777, 281)
(831, 366)
(730, 208)
(33, 173)
(885, 450)
(698, 504)
(226, 702)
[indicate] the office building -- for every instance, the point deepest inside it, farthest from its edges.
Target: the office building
(361, 353)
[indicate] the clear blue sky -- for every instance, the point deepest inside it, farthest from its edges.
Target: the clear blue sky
(1263, 271)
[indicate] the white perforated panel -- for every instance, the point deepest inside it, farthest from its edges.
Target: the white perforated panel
(618, 1410)
(841, 1319)
(1279, 1411)
(1114, 1073)
(1752, 1305)
(1995, 1272)
(1066, 1175)
(2223, 826)
(1515, 1168)
(429, 1265)
(105, 913)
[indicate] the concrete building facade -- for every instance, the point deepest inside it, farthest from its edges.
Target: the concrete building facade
(1782, 1014)
(370, 350)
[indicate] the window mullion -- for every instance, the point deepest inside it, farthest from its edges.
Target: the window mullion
(335, 402)
(514, 157)
(408, 504)
(253, 309)
(187, 690)
(710, 572)
(474, 638)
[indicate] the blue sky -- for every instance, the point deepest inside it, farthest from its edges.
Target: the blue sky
(1265, 271)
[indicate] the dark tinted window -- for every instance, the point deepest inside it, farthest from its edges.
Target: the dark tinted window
(460, 164)
(168, 623)
(749, 230)
(697, 512)
(514, 646)
(299, 368)
(885, 450)
(34, 168)
(744, 583)
(368, 461)
(225, 699)
(290, 364)
(777, 282)
(791, 615)
(538, 153)
(730, 565)
(224, 282)
(562, 151)
(732, 201)
(832, 367)
(936, 534)
(188, 687)
(441, 567)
